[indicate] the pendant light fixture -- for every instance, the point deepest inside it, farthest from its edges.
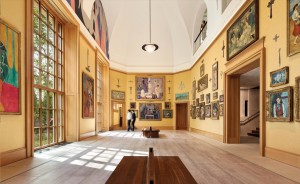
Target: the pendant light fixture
(150, 47)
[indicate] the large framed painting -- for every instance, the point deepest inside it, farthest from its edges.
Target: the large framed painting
(244, 31)
(150, 111)
(293, 27)
(118, 95)
(202, 111)
(215, 76)
(167, 113)
(208, 111)
(279, 77)
(10, 68)
(194, 90)
(279, 104)
(150, 88)
(203, 83)
(215, 110)
(182, 96)
(297, 98)
(87, 96)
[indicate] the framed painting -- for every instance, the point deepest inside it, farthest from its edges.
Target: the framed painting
(297, 98)
(279, 104)
(279, 77)
(167, 113)
(167, 105)
(87, 96)
(215, 95)
(182, 96)
(208, 111)
(193, 112)
(208, 98)
(244, 31)
(194, 102)
(117, 95)
(132, 105)
(203, 83)
(150, 111)
(221, 109)
(202, 97)
(10, 69)
(194, 90)
(202, 70)
(221, 98)
(215, 76)
(215, 110)
(150, 88)
(293, 27)
(197, 112)
(202, 110)
(197, 102)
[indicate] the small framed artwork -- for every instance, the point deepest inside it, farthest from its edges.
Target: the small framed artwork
(208, 98)
(297, 98)
(132, 105)
(215, 95)
(194, 90)
(194, 115)
(182, 96)
(167, 105)
(197, 112)
(279, 77)
(202, 70)
(215, 110)
(117, 95)
(87, 96)
(203, 83)
(279, 104)
(197, 102)
(167, 113)
(202, 97)
(221, 98)
(215, 76)
(293, 27)
(208, 111)
(202, 110)
(221, 109)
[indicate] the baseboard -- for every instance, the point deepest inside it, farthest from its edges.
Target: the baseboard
(9, 157)
(214, 136)
(283, 156)
(87, 135)
(157, 127)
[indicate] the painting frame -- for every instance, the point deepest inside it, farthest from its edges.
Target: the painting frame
(203, 83)
(249, 20)
(153, 110)
(117, 95)
(167, 105)
(132, 105)
(207, 98)
(194, 90)
(208, 111)
(167, 113)
(221, 98)
(292, 48)
(202, 111)
(285, 96)
(202, 70)
(12, 86)
(182, 96)
(88, 95)
(202, 97)
(197, 101)
(215, 95)
(279, 77)
(215, 76)
(150, 88)
(297, 99)
(221, 109)
(193, 112)
(215, 110)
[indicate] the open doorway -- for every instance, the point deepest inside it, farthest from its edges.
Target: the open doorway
(118, 116)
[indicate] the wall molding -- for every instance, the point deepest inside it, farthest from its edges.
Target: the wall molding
(211, 135)
(283, 156)
(87, 135)
(11, 156)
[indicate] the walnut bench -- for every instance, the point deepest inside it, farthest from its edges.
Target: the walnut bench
(149, 132)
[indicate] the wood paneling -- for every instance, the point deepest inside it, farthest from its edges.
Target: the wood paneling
(181, 116)
(282, 156)
(12, 156)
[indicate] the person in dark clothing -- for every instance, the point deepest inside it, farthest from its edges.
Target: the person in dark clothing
(133, 118)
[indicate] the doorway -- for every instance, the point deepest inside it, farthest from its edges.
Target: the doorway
(181, 116)
(118, 115)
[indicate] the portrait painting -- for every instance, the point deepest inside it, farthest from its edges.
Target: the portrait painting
(279, 104)
(150, 88)
(194, 90)
(193, 112)
(167, 113)
(203, 83)
(132, 105)
(208, 111)
(117, 95)
(221, 98)
(202, 97)
(87, 96)
(221, 109)
(202, 70)
(215, 110)
(182, 96)
(197, 102)
(202, 110)
(279, 77)
(215, 76)
(244, 31)
(167, 105)
(10, 68)
(150, 111)
(215, 95)
(208, 98)
(197, 112)
(297, 98)
(293, 27)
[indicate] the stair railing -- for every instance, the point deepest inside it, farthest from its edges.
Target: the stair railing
(246, 121)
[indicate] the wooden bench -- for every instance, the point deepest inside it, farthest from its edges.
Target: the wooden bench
(151, 169)
(149, 132)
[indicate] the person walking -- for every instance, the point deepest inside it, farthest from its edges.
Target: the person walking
(129, 117)
(133, 117)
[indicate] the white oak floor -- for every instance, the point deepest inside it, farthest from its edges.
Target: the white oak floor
(94, 159)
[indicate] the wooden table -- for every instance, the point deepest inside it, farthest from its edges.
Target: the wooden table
(153, 133)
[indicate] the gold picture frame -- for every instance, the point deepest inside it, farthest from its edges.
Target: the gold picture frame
(150, 88)
(297, 99)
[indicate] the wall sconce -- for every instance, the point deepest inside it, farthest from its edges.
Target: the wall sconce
(118, 85)
(130, 89)
(169, 88)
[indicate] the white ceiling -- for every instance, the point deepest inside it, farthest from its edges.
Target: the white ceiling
(175, 24)
(250, 79)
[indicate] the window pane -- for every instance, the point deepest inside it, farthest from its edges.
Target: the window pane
(44, 46)
(44, 99)
(51, 118)
(44, 63)
(44, 117)
(59, 71)
(51, 100)
(36, 24)
(51, 21)
(44, 78)
(44, 14)
(44, 136)
(59, 85)
(36, 96)
(51, 51)
(59, 44)
(36, 41)
(36, 59)
(44, 29)
(36, 137)
(51, 135)
(59, 29)
(51, 36)
(51, 82)
(36, 8)
(51, 67)
(36, 76)
(58, 117)
(59, 57)
(36, 117)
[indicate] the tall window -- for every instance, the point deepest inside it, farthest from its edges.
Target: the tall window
(48, 77)
(99, 118)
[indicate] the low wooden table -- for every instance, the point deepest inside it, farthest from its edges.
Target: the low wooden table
(153, 133)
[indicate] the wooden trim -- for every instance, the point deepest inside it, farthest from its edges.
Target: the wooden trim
(87, 135)
(12, 156)
(156, 127)
(283, 156)
(144, 73)
(211, 135)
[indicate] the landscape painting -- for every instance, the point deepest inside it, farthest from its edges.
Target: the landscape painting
(279, 77)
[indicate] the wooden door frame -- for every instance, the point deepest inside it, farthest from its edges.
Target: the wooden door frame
(251, 58)
(187, 118)
(124, 125)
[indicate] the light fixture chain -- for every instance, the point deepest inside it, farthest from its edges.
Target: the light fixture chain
(150, 18)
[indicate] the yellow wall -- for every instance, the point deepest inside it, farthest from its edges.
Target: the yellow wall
(12, 127)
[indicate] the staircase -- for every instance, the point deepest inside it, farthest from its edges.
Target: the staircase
(254, 133)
